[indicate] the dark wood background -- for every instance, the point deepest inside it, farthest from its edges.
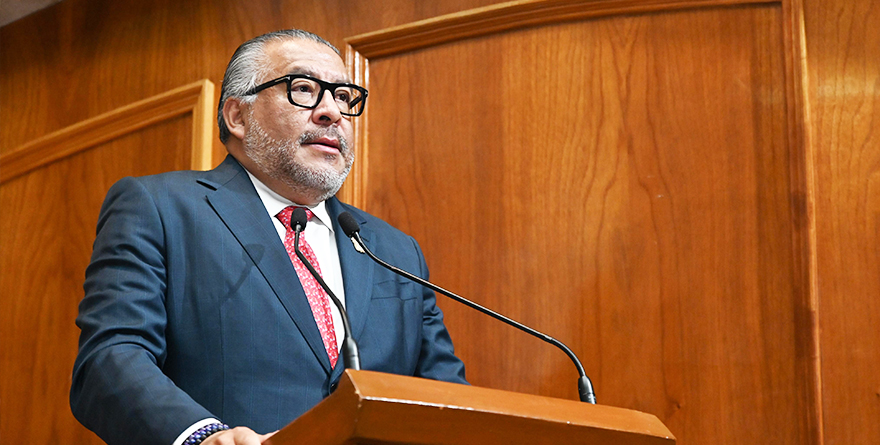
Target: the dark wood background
(684, 192)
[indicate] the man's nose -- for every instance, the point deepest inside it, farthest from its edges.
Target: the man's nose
(327, 111)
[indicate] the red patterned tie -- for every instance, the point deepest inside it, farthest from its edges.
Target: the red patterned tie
(318, 299)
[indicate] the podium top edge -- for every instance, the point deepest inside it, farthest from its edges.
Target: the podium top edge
(377, 388)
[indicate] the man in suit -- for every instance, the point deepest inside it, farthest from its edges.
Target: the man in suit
(196, 321)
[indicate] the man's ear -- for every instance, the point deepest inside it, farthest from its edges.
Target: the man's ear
(234, 112)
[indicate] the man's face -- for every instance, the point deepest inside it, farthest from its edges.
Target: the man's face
(309, 150)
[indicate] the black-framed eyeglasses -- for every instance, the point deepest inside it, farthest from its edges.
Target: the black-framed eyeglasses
(307, 92)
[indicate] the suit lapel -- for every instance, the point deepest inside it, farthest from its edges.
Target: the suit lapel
(238, 205)
(357, 272)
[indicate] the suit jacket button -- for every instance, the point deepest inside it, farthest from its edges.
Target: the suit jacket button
(333, 386)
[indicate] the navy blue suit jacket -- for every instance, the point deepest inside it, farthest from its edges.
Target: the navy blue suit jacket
(192, 309)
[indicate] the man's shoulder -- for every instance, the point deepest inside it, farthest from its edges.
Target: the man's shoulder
(174, 186)
(180, 182)
(178, 177)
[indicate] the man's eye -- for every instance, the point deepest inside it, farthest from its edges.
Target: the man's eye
(302, 87)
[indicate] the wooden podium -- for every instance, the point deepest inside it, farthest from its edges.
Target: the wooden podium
(376, 408)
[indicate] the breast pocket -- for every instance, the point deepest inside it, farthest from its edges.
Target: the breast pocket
(396, 287)
(392, 335)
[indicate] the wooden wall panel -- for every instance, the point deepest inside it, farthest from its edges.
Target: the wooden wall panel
(48, 224)
(196, 99)
(621, 183)
(844, 52)
(50, 193)
(82, 58)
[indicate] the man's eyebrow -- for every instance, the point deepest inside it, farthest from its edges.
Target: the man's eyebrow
(310, 73)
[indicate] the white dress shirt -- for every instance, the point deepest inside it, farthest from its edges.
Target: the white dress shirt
(319, 234)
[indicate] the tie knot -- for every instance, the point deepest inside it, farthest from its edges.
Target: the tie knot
(286, 214)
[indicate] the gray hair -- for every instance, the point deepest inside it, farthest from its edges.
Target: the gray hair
(249, 64)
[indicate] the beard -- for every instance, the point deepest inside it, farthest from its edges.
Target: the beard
(277, 159)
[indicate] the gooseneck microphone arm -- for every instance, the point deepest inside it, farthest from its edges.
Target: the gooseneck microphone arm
(350, 353)
(585, 386)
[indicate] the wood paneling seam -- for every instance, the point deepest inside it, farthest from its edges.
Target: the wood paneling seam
(804, 185)
(196, 98)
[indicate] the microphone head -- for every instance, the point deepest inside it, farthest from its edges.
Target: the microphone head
(299, 218)
(348, 224)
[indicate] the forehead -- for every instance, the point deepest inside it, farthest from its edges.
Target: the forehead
(298, 56)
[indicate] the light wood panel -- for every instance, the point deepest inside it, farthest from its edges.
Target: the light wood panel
(624, 184)
(844, 49)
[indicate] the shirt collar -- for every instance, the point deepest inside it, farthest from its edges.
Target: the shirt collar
(275, 203)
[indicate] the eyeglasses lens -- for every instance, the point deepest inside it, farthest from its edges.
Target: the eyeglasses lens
(307, 93)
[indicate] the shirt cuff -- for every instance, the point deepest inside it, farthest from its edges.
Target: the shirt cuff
(187, 432)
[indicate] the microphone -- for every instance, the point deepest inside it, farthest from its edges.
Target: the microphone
(351, 228)
(350, 353)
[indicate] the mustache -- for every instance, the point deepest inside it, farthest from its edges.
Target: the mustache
(310, 136)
